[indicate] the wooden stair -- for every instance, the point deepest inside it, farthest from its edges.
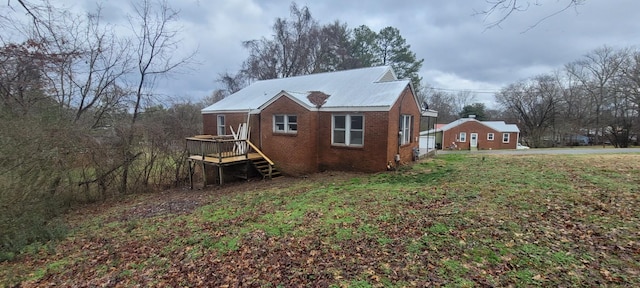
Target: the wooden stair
(265, 169)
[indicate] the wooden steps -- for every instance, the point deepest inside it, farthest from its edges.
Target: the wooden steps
(265, 169)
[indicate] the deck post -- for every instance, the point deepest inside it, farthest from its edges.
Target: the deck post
(220, 174)
(190, 174)
(248, 166)
(204, 175)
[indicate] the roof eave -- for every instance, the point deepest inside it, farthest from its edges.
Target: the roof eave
(226, 111)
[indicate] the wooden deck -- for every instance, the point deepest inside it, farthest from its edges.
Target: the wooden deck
(227, 159)
(215, 154)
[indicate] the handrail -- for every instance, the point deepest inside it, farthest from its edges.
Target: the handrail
(211, 140)
(215, 148)
(260, 153)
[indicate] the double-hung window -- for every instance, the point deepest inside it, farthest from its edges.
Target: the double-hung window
(490, 136)
(220, 125)
(405, 129)
(347, 130)
(505, 137)
(463, 136)
(285, 124)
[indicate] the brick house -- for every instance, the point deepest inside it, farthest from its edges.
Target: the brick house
(472, 134)
(354, 120)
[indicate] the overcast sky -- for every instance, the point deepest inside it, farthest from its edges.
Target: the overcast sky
(459, 52)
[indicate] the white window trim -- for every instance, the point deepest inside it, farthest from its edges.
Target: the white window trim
(286, 123)
(490, 136)
(505, 136)
(463, 136)
(405, 128)
(221, 127)
(347, 130)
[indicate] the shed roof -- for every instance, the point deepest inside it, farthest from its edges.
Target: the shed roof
(368, 89)
(499, 126)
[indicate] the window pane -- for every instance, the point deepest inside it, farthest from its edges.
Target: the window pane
(406, 129)
(356, 122)
(279, 118)
(339, 122)
(356, 138)
(293, 119)
(293, 127)
(279, 127)
(338, 136)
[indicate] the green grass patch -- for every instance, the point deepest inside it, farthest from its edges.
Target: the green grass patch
(459, 220)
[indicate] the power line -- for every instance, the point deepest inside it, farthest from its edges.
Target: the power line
(465, 90)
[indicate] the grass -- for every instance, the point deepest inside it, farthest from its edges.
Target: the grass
(457, 221)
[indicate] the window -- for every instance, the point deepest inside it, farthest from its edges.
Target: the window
(463, 136)
(221, 127)
(405, 129)
(505, 137)
(490, 136)
(347, 130)
(285, 123)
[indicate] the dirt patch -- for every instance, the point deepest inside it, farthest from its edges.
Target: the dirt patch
(183, 200)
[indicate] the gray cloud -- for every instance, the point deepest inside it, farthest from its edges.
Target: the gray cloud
(459, 52)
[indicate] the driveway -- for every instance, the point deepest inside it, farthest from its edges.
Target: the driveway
(548, 151)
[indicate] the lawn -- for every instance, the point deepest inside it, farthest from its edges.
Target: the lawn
(456, 220)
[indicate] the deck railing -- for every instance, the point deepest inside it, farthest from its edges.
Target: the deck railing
(216, 147)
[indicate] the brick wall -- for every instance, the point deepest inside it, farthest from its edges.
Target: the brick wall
(371, 157)
(483, 143)
(406, 105)
(294, 154)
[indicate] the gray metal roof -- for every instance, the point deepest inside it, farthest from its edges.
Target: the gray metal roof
(365, 89)
(499, 126)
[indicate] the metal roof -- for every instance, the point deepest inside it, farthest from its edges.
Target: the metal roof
(364, 89)
(499, 126)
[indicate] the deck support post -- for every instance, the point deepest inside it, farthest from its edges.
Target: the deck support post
(220, 173)
(189, 162)
(204, 175)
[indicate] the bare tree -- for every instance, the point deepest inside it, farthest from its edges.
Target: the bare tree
(21, 86)
(333, 50)
(533, 103)
(92, 61)
(232, 83)
(215, 96)
(596, 73)
(155, 46)
(440, 101)
(500, 10)
(462, 99)
(289, 53)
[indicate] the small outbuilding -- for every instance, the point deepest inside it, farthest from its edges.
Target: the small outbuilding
(472, 134)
